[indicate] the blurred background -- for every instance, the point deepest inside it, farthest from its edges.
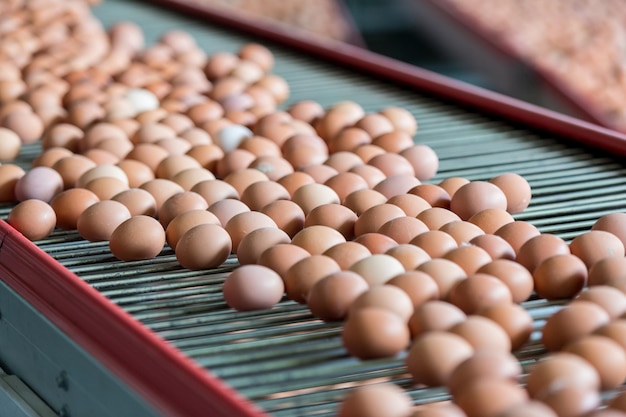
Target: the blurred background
(565, 55)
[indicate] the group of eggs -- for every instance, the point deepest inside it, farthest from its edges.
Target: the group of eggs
(330, 207)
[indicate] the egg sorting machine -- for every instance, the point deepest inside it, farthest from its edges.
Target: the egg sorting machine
(95, 336)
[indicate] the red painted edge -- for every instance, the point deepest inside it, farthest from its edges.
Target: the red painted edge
(401, 73)
(169, 381)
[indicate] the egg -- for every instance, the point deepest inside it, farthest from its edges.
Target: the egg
(259, 194)
(161, 189)
(514, 319)
(613, 223)
(489, 397)
(594, 245)
(252, 287)
(491, 219)
(376, 400)
(281, 257)
(376, 243)
(423, 159)
(445, 272)
(41, 183)
(243, 178)
(123, 242)
(434, 315)
(489, 364)
(435, 243)
(257, 241)
(434, 355)
(70, 204)
(517, 233)
(11, 144)
(468, 257)
(215, 190)
(226, 209)
(539, 248)
(180, 203)
(287, 215)
(482, 333)
(245, 222)
(378, 268)
(204, 246)
(346, 182)
(561, 369)
(98, 221)
(389, 297)
(495, 246)
(372, 219)
(605, 355)
(35, 219)
(462, 231)
(517, 190)
(305, 273)
(137, 201)
(335, 216)
(479, 291)
(412, 205)
(571, 323)
(395, 185)
(373, 332)
(71, 168)
(347, 253)
(360, 201)
(560, 276)
(517, 278)
(331, 297)
(185, 221)
(435, 217)
(435, 195)
(316, 239)
(410, 256)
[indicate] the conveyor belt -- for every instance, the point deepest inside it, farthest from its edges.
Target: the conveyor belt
(284, 360)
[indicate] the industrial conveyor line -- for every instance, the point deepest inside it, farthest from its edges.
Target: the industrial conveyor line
(96, 336)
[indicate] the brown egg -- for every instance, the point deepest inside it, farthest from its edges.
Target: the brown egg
(347, 253)
(561, 369)
(317, 239)
(375, 124)
(435, 242)
(434, 315)
(435, 217)
(490, 220)
(98, 221)
(303, 150)
(185, 221)
(517, 233)
(368, 151)
(517, 191)
(572, 400)
(515, 276)
(376, 400)
(478, 292)
(320, 172)
(309, 196)
(574, 321)
(609, 271)
(403, 229)
(161, 189)
(482, 333)
(605, 355)
(125, 246)
(275, 167)
(372, 219)
(389, 297)
(560, 276)
(226, 209)
(395, 185)
(35, 219)
(257, 241)
(445, 272)
(419, 286)
(71, 168)
(306, 110)
(348, 139)
(437, 409)
(10, 144)
(259, 194)
(401, 119)
(468, 257)
(433, 194)
(615, 330)
(50, 156)
(370, 174)
(27, 125)
(411, 204)
(361, 200)
(148, 153)
(434, 355)
(302, 275)
(330, 298)
(252, 287)
(373, 332)
(452, 184)
(375, 242)
(410, 256)
(462, 231)
(392, 164)
(295, 180)
(489, 397)
(476, 196)
(137, 201)
(424, 161)
(204, 246)
(343, 161)
(530, 408)
(484, 364)
(281, 257)
(173, 164)
(394, 141)
(69, 204)
(618, 402)
(245, 222)
(495, 246)
(613, 223)
(335, 216)
(187, 178)
(595, 245)
(180, 203)
(106, 187)
(539, 248)
(287, 215)
(611, 299)
(215, 190)
(346, 182)
(514, 319)
(378, 268)
(337, 117)
(207, 155)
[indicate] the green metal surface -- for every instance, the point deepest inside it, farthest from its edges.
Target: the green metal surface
(284, 359)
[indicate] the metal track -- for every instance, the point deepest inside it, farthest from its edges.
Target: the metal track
(283, 359)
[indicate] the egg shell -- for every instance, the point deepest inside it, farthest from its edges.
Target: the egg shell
(611, 299)
(482, 333)
(161, 189)
(424, 160)
(613, 223)
(11, 144)
(204, 246)
(488, 397)
(517, 190)
(215, 190)
(185, 221)
(595, 245)
(615, 330)
(226, 209)
(106, 187)
(187, 178)
(435, 243)
(394, 141)
(69, 205)
(305, 273)
(572, 400)
(148, 153)
(452, 184)
(245, 222)
(484, 364)
(281, 257)
(252, 287)
(257, 241)
(401, 119)
(412, 205)
(462, 231)
(491, 219)
(243, 178)
(137, 201)
(41, 183)
(287, 215)
(374, 400)
(531, 408)
(347, 253)
(395, 185)
(98, 221)
(374, 332)
(435, 217)
(468, 257)
(410, 256)
(478, 292)
(515, 276)
(389, 297)
(126, 245)
(331, 297)
(514, 319)
(445, 273)
(434, 355)
(605, 355)
(574, 321)
(50, 156)
(378, 268)
(372, 219)
(346, 182)
(560, 276)
(495, 246)
(433, 194)
(360, 201)
(316, 239)
(540, 248)
(335, 216)
(434, 315)
(403, 229)
(180, 203)
(369, 173)
(392, 164)
(35, 219)
(517, 233)
(343, 161)
(309, 196)
(476, 196)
